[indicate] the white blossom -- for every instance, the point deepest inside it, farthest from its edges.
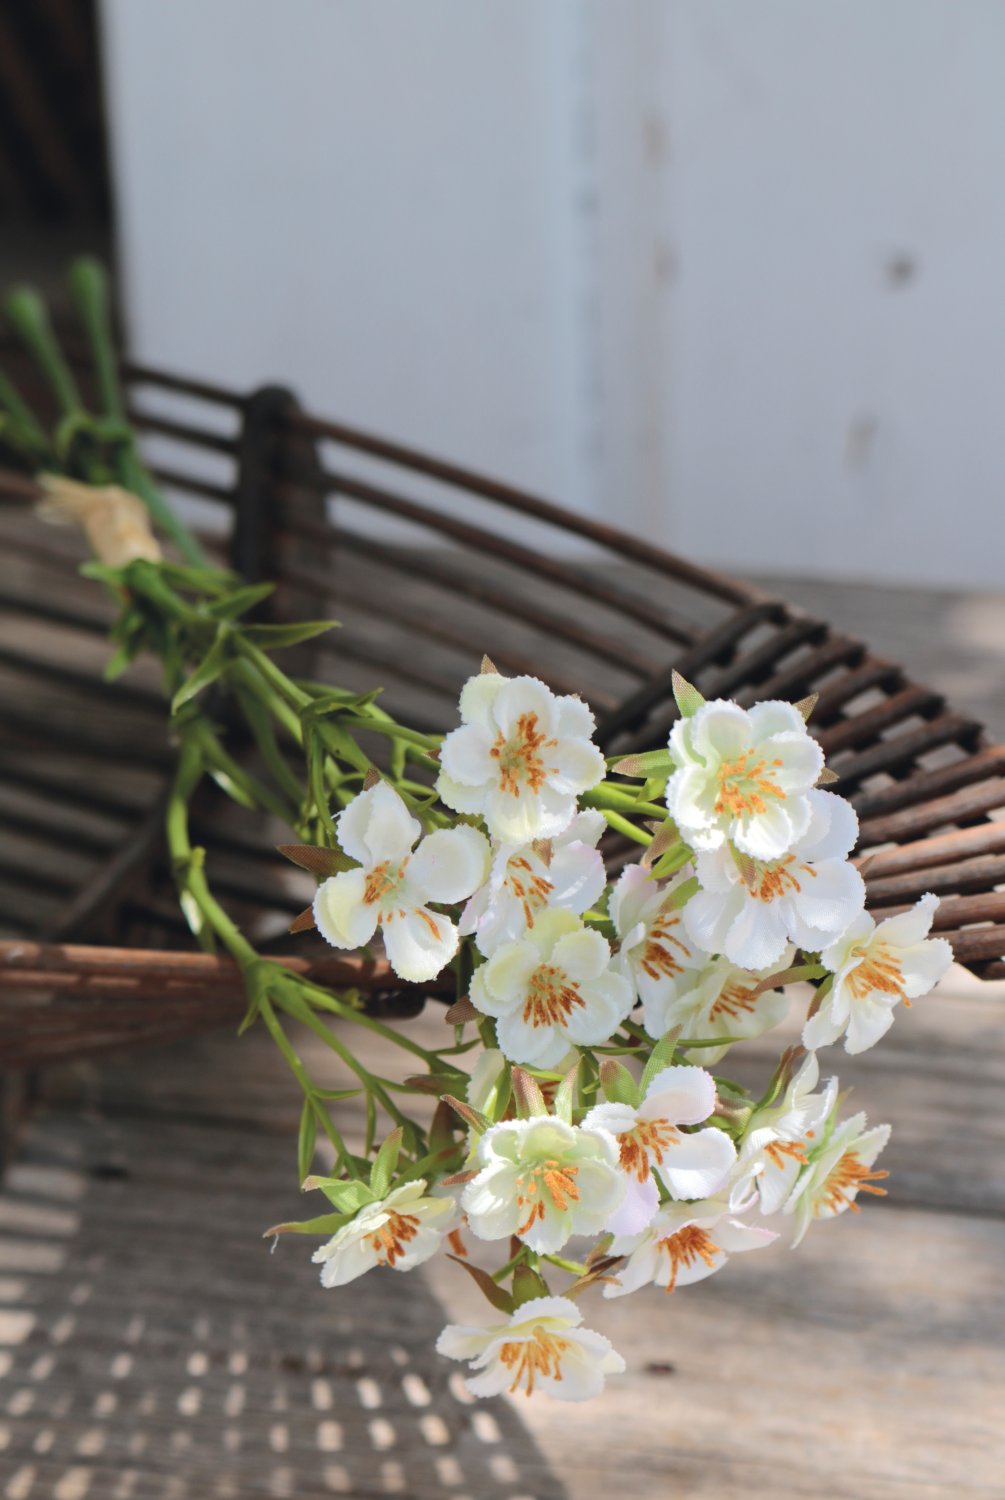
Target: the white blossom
(401, 1231)
(520, 758)
(779, 1139)
(684, 1243)
(691, 1164)
(656, 954)
(542, 1180)
(743, 774)
(837, 1174)
(541, 1347)
(750, 910)
(394, 886)
(552, 988)
(526, 879)
(723, 1000)
(875, 967)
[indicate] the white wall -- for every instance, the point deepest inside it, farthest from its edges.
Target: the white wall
(730, 271)
(375, 203)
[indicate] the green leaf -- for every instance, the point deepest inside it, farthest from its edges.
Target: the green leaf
(497, 1295)
(646, 763)
(230, 606)
(687, 697)
(528, 1095)
(662, 1056)
(213, 664)
(347, 1197)
(382, 1171)
(318, 860)
(527, 1285)
(324, 1224)
(306, 1140)
(565, 1095)
(470, 1116)
(275, 637)
(618, 1083)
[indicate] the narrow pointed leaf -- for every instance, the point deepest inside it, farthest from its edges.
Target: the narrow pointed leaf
(497, 1295)
(686, 695)
(316, 859)
(276, 637)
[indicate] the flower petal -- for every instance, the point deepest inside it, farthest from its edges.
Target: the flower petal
(340, 913)
(377, 826)
(449, 864)
(682, 1095)
(419, 944)
(466, 755)
(694, 1166)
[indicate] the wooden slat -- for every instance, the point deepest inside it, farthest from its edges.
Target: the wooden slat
(866, 727)
(947, 848)
(969, 770)
(963, 806)
(899, 751)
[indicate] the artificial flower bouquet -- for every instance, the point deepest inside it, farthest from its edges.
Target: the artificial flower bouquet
(575, 1132)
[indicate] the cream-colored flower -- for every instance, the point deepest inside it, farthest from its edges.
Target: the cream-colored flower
(685, 1242)
(520, 758)
(552, 989)
(656, 954)
(780, 1139)
(744, 775)
(690, 1163)
(526, 880)
(401, 1231)
(541, 1347)
(875, 968)
(836, 1175)
(115, 522)
(724, 1001)
(542, 1180)
(808, 897)
(394, 886)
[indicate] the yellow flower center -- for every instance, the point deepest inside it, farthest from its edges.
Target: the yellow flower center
(549, 1181)
(734, 1000)
(541, 1354)
(685, 1248)
(551, 997)
(389, 1241)
(778, 1151)
(778, 879)
(879, 970)
(658, 959)
(743, 787)
(848, 1177)
(645, 1137)
(521, 761)
(531, 890)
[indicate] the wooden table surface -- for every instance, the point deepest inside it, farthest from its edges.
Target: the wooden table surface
(150, 1345)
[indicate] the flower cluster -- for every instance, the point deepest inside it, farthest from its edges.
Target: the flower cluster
(593, 1007)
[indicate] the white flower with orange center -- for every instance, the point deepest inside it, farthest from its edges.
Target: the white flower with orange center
(542, 1347)
(543, 1180)
(750, 909)
(394, 887)
(401, 1231)
(552, 989)
(744, 775)
(520, 758)
(875, 968)
(779, 1140)
(726, 1001)
(841, 1170)
(656, 953)
(525, 880)
(690, 1163)
(684, 1243)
